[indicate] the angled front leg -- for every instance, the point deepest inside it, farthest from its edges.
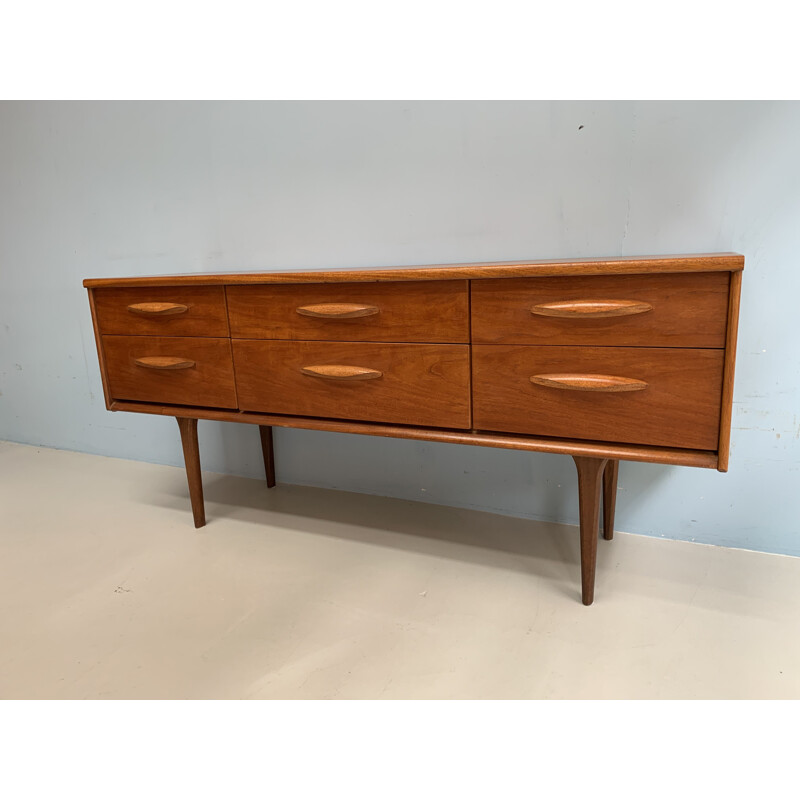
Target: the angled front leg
(269, 455)
(191, 458)
(590, 479)
(609, 497)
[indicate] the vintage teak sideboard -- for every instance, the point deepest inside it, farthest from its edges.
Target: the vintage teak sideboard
(602, 359)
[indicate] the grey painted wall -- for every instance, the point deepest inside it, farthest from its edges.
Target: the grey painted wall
(107, 189)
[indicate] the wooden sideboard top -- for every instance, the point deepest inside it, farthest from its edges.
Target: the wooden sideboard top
(630, 265)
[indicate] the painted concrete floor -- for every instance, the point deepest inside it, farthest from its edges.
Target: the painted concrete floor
(108, 591)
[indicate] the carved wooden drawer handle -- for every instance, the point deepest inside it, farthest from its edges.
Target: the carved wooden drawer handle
(164, 362)
(338, 310)
(342, 372)
(589, 383)
(591, 309)
(158, 309)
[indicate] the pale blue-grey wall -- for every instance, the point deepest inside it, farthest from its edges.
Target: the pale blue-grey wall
(106, 189)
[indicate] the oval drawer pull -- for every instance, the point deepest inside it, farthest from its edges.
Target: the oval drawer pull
(589, 383)
(338, 310)
(591, 309)
(342, 372)
(158, 309)
(164, 362)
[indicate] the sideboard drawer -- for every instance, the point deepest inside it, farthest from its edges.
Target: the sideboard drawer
(162, 311)
(424, 311)
(680, 310)
(409, 384)
(180, 370)
(658, 396)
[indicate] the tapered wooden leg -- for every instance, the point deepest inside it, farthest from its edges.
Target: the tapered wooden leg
(191, 457)
(609, 497)
(590, 478)
(269, 455)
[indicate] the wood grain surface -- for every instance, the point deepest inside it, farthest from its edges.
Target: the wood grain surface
(628, 265)
(158, 309)
(433, 311)
(420, 384)
(590, 309)
(268, 451)
(610, 475)
(542, 444)
(209, 382)
(679, 408)
(590, 481)
(191, 460)
(101, 356)
(728, 372)
(123, 311)
(164, 362)
(687, 311)
(341, 372)
(583, 382)
(337, 310)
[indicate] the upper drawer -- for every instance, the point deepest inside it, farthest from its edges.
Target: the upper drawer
(681, 310)
(163, 310)
(424, 311)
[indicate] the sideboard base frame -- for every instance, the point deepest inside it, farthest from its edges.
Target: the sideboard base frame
(671, 456)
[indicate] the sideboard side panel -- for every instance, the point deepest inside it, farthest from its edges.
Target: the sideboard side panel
(728, 372)
(101, 358)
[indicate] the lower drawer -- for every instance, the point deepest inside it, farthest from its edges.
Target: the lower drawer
(638, 395)
(408, 384)
(170, 369)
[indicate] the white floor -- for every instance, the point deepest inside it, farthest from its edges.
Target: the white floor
(108, 591)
